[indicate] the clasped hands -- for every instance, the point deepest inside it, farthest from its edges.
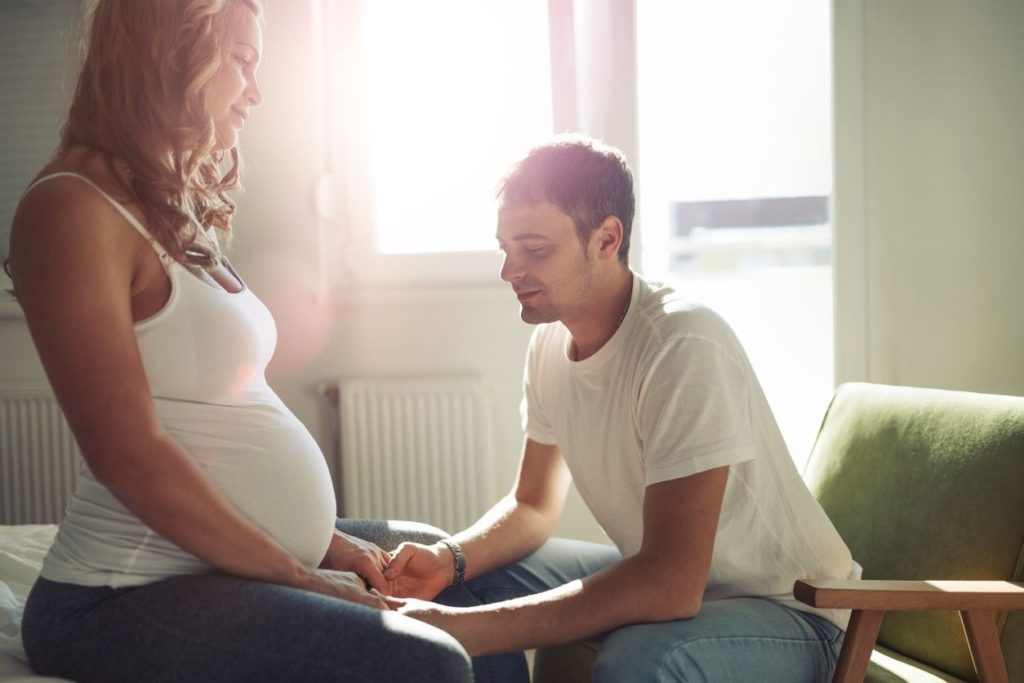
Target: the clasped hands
(361, 572)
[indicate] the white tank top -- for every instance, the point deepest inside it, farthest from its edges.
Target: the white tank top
(204, 354)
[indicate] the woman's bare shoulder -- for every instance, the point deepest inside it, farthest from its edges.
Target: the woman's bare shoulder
(67, 209)
(64, 233)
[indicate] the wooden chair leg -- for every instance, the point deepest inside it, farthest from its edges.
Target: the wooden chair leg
(857, 646)
(983, 638)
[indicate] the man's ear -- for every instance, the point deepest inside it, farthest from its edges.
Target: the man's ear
(608, 237)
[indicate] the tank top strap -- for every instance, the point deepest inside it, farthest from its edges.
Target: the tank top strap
(157, 247)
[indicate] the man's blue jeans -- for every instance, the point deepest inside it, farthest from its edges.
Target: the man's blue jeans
(739, 639)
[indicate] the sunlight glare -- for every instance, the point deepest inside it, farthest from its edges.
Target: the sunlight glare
(458, 90)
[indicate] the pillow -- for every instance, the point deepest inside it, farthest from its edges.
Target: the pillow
(22, 549)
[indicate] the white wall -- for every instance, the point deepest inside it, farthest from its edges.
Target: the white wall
(929, 178)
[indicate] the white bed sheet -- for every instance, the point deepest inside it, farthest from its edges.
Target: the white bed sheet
(22, 548)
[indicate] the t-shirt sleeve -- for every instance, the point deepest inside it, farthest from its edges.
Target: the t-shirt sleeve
(693, 411)
(531, 410)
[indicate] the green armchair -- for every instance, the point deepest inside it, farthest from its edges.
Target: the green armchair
(927, 488)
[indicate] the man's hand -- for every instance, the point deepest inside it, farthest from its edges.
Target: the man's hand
(420, 571)
(350, 554)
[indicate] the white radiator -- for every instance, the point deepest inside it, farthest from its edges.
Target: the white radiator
(39, 460)
(417, 448)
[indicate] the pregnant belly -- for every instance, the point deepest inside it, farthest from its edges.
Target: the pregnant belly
(269, 466)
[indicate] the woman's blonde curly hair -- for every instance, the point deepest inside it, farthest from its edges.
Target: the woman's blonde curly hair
(140, 100)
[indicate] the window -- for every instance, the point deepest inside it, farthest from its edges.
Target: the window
(426, 105)
(734, 106)
(722, 107)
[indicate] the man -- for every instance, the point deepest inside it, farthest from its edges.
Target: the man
(650, 405)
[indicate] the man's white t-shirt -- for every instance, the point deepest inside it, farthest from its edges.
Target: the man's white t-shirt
(671, 394)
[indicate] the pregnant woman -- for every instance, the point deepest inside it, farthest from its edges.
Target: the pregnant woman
(201, 543)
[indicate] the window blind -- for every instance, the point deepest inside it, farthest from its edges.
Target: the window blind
(39, 60)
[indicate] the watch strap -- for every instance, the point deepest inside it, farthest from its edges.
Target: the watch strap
(460, 561)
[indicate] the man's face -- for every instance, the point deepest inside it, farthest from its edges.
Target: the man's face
(544, 261)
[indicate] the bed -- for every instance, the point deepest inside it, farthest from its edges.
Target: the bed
(22, 548)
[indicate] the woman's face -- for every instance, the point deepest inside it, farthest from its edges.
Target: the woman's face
(233, 90)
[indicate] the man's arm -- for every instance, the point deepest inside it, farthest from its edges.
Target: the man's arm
(517, 525)
(664, 581)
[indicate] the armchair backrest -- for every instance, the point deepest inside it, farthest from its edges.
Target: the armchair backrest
(927, 484)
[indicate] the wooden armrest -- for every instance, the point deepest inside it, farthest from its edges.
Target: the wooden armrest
(977, 601)
(911, 595)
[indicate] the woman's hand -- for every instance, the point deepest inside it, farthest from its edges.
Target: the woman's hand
(350, 554)
(345, 586)
(420, 571)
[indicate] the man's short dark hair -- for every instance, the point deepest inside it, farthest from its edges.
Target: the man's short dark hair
(586, 179)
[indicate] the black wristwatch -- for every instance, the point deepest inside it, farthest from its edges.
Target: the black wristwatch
(460, 561)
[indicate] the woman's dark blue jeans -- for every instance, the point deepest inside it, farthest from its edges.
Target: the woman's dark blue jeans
(219, 628)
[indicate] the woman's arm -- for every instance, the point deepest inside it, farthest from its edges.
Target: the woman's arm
(74, 260)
